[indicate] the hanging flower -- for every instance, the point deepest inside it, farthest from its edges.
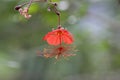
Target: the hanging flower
(58, 36)
(59, 51)
(24, 12)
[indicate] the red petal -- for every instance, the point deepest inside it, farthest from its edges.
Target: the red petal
(57, 36)
(67, 37)
(47, 35)
(52, 38)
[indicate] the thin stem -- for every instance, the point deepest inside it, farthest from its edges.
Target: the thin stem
(30, 3)
(58, 19)
(21, 5)
(57, 12)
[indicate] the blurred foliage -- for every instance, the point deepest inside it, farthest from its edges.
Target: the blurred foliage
(98, 51)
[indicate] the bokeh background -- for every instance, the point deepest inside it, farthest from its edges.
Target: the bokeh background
(95, 25)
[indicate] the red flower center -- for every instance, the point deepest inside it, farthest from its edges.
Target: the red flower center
(60, 50)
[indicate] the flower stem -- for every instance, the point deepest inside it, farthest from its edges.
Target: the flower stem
(57, 12)
(58, 19)
(29, 3)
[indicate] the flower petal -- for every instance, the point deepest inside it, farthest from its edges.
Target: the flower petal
(53, 40)
(67, 37)
(58, 36)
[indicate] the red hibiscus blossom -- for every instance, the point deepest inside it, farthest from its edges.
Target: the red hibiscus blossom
(58, 36)
(59, 51)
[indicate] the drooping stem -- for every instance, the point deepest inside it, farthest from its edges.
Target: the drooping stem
(57, 13)
(29, 3)
(59, 19)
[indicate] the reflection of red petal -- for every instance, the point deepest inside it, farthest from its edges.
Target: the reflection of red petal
(49, 55)
(59, 51)
(67, 55)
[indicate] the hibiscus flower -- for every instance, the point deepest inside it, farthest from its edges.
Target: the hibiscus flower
(58, 36)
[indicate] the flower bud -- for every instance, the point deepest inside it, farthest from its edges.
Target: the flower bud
(17, 7)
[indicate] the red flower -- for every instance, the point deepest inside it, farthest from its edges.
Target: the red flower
(58, 36)
(59, 51)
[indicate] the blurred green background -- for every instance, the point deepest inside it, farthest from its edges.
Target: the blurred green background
(95, 25)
